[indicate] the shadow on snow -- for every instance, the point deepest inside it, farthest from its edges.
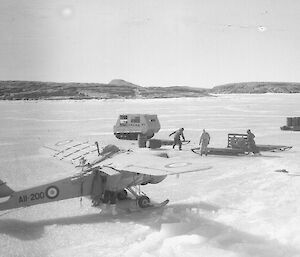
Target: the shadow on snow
(172, 220)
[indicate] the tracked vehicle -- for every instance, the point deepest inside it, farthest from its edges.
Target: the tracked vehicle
(134, 126)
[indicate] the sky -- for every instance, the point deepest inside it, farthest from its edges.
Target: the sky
(199, 43)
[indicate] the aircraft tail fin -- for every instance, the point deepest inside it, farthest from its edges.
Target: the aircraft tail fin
(5, 190)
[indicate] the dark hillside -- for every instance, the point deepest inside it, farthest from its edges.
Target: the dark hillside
(257, 88)
(33, 90)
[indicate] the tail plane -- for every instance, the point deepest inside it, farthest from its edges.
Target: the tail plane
(5, 190)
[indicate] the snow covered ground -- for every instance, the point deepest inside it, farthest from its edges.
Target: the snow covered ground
(240, 207)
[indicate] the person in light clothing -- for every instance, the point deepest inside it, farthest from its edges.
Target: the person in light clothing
(204, 141)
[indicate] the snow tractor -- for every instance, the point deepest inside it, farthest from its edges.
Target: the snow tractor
(135, 126)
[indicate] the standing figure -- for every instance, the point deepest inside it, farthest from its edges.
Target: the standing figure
(251, 143)
(111, 188)
(97, 190)
(177, 141)
(204, 141)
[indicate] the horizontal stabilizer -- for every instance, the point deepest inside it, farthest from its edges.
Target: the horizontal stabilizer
(4, 189)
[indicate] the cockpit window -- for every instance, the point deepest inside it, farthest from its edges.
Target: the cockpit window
(123, 120)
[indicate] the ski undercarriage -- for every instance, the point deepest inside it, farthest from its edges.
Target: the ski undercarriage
(132, 198)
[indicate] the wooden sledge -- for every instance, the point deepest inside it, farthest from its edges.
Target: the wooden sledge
(273, 148)
(221, 151)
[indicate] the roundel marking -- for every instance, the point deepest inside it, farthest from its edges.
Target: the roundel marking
(177, 164)
(52, 192)
(63, 142)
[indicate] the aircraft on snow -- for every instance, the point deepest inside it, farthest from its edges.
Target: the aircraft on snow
(131, 168)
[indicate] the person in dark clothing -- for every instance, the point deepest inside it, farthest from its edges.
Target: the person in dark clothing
(251, 143)
(98, 187)
(177, 137)
(111, 187)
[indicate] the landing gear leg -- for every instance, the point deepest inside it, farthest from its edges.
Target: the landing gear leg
(143, 200)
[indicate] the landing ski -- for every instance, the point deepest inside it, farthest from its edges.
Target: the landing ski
(130, 205)
(150, 207)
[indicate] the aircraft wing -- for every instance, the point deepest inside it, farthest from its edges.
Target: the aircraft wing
(152, 165)
(72, 151)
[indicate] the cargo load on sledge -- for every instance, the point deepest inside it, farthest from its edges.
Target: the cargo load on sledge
(292, 123)
(240, 141)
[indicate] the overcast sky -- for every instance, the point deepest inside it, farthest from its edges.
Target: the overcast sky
(199, 43)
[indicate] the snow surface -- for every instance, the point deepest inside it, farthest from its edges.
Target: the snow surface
(240, 207)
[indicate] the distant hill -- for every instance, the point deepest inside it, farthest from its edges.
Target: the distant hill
(121, 82)
(257, 88)
(118, 88)
(33, 90)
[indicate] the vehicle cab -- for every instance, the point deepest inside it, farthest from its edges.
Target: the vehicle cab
(129, 126)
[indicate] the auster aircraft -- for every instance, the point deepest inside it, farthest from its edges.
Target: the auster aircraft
(132, 170)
